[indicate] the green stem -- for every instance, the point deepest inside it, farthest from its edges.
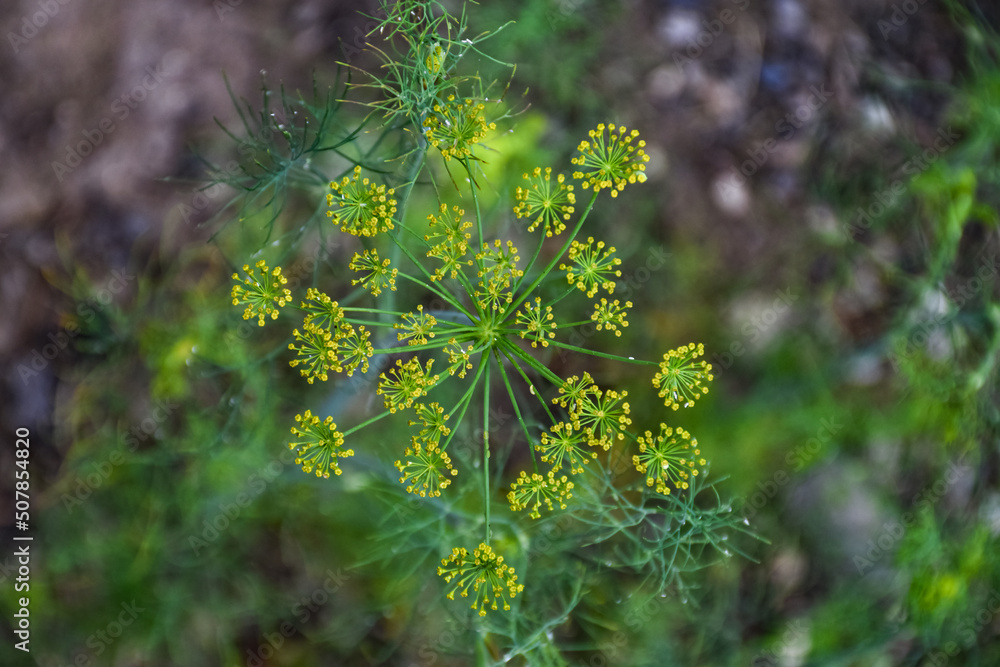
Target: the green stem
(531, 264)
(441, 293)
(466, 400)
(403, 200)
(534, 363)
(486, 443)
(409, 348)
(366, 423)
(517, 410)
(475, 201)
(627, 360)
(564, 295)
(534, 391)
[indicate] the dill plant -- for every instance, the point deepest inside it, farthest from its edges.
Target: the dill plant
(503, 311)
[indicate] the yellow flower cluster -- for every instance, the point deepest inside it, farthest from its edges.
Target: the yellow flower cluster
(261, 293)
(426, 468)
(327, 342)
(498, 273)
(680, 378)
(535, 490)
(363, 208)
(455, 127)
(603, 416)
(417, 328)
(610, 315)
(672, 456)
(490, 579)
(403, 385)
(377, 274)
(451, 241)
(537, 323)
(459, 358)
(591, 268)
(319, 444)
(550, 204)
(563, 442)
(610, 163)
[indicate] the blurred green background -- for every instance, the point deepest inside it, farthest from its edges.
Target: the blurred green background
(821, 212)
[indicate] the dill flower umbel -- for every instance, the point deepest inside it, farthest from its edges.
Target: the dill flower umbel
(537, 323)
(451, 241)
(611, 163)
(590, 267)
(376, 274)
(321, 311)
(610, 315)
(533, 491)
(363, 208)
(405, 384)
(564, 443)
(319, 445)
(434, 421)
(425, 468)
(459, 358)
(680, 377)
(483, 571)
(672, 456)
(416, 328)
(317, 352)
(353, 349)
(261, 293)
(455, 127)
(575, 389)
(549, 204)
(603, 417)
